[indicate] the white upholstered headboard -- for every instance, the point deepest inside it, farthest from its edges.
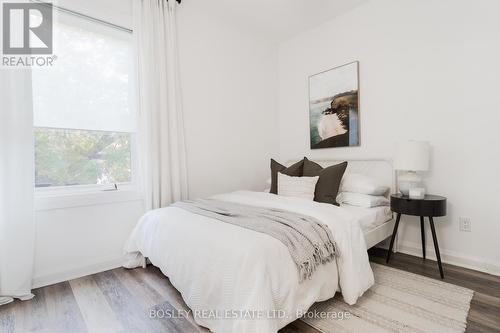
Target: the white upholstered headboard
(379, 169)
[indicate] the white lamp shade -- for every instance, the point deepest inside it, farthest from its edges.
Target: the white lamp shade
(412, 156)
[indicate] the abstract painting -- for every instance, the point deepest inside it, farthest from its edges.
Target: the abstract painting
(334, 107)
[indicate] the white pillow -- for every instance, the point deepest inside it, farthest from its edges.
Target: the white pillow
(299, 187)
(362, 200)
(358, 183)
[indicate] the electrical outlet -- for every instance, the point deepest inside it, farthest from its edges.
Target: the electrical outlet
(465, 224)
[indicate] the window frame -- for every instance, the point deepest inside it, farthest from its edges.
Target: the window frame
(59, 197)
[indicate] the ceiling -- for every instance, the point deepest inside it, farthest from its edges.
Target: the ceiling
(277, 19)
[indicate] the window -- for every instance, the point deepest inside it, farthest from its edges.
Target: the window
(83, 107)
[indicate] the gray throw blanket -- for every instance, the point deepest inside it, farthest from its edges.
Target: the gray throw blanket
(309, 242)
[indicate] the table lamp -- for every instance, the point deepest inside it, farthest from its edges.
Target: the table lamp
(411, 157)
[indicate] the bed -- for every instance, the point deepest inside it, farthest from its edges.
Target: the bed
(239, 280)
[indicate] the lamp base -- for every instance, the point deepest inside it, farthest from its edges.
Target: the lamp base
(408, 180)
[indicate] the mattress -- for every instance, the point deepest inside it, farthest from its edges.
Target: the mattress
(369, 218)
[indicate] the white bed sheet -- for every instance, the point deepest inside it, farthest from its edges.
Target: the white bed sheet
(369, 218)
(218, 266)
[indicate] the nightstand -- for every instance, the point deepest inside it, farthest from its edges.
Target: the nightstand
(430, 206)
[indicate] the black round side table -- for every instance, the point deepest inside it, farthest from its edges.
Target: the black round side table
(430, 206)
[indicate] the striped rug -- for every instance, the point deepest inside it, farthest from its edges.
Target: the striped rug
(398, 302)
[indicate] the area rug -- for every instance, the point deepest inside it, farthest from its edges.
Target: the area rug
(398, 302)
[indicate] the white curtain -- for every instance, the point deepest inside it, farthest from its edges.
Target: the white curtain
(17, 228)
(161, 128)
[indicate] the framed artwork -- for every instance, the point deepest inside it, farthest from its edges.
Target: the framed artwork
(334, 107)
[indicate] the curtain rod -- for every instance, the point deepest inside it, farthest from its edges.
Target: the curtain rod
(91, 18)
(78, 14)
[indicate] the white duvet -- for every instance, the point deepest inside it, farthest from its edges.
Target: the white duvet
(238, 280)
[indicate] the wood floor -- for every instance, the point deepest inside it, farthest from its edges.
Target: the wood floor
(120, 301)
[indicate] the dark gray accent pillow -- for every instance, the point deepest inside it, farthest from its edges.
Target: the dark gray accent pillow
(329, 180)
(294, 170)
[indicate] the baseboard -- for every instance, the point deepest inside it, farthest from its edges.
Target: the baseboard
(74, 273)
(493, 267)
(451, 257)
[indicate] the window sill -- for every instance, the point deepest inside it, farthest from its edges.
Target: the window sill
(61, 200)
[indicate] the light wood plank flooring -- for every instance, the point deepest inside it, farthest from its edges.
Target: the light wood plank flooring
(119, 301)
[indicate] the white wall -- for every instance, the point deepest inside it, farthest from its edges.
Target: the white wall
(229, 82)
(77, 241)
(429, 70)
